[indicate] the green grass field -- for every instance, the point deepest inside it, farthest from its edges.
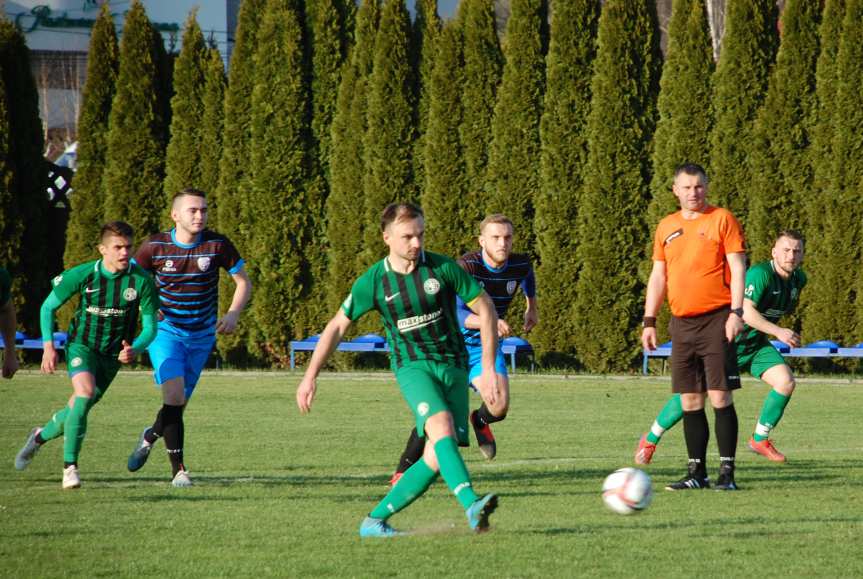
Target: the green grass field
(279, 494)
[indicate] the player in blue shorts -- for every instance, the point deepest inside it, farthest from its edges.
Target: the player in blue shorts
(501, 273)
(185, 262)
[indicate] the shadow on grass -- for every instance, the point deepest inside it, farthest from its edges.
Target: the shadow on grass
(702, 527)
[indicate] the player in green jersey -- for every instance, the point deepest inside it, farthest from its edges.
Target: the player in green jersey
(112, 292)
(772, 291)
(415, 293)
(8, 325)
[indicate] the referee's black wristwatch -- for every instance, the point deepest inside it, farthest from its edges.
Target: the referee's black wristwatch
(738, 311)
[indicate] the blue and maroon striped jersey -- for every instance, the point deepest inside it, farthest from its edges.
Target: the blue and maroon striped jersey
(500, 284)
(187, 278)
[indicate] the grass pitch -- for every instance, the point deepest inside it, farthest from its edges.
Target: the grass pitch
(278, 494)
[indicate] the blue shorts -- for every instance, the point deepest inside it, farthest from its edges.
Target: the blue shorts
(174, 356)
(474, 354)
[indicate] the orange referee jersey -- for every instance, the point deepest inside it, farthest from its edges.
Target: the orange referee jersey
(694, 251)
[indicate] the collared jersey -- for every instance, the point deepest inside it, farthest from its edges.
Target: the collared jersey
(5, 286)
(418, 309)
(187, 279)
(772, 296)
(694, 250)
(108, 311)
(500, 284)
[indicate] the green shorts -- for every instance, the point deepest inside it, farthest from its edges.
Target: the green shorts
(80, 358)
(432, 387)
(759, 359)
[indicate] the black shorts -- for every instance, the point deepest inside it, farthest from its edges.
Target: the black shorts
(701, 357)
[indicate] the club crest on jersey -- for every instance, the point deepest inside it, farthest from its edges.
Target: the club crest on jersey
(510, 287)
(432, 286)
(203, 263)
(423, 408)
(57, 280)
(129, 294)
(169, 266)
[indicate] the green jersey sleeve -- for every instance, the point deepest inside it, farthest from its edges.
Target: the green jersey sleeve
(149, 296)
(5, 286)
(467, 288)
(70, 282)
(757, 281)
(362, 297)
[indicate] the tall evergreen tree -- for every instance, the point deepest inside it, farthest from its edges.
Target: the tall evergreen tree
(212, 127)
(183, 161)
(826, 79)
(233, 191)
(346, 200)
(134, 163)
(329, 48)
(87, 200)
(284, 198)
(445, 193)
(684, 109)
(819, 266)
(391, 130)
(685, 116)
(515, 146)
(612, 236)
(781, 165)
(843, 233)
(748, 51)
(427, 29)
(22, 230)
(572, 49)
(483, 68)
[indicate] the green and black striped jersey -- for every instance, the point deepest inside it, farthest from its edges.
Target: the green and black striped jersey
(108, 311)
(418, 309)
(772, 296)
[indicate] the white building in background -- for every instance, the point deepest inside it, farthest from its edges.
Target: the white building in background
(58, 35)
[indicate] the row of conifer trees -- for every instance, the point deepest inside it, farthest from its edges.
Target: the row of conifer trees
(570, 121)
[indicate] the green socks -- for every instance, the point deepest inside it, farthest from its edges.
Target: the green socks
(671, 414)
(54, 427)
(454, 471)
(75, 428)
(417, 479)
(414, 482)
(771, 414)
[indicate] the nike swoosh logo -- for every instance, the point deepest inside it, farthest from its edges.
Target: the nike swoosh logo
(777, 293)
(391, 298)
(90, 291)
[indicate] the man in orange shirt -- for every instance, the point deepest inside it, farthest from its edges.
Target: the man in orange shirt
(698, 259)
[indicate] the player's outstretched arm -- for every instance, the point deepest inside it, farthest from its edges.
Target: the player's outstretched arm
(8, 325)
(652, 303)
(242, 293)
(46, 324)
(483, 307)
(531, 314)
(327, 343)
(149, 328)
(754, 319)
(737, 266)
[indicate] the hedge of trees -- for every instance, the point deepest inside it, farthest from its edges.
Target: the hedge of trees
(570, 120)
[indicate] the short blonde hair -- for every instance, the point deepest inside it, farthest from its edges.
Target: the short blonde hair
(499, 218)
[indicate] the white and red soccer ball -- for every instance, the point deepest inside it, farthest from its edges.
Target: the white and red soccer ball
(627, 490)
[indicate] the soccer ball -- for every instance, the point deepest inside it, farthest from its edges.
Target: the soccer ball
(627, 490)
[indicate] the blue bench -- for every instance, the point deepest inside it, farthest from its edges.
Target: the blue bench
(375, 343)
(366, 343)
(24, 343)
(819, 349)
